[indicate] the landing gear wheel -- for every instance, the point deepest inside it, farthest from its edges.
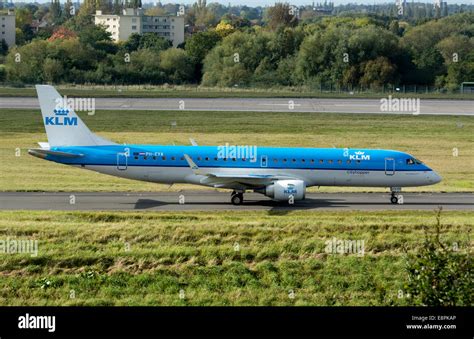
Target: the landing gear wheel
(394, 199)
(237, 199)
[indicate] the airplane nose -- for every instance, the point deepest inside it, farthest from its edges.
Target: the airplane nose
(434, 177)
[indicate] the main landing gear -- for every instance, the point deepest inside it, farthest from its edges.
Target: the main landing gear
(237, 198)
(394, 196)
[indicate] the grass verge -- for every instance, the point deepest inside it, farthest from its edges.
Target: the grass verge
(220, 258)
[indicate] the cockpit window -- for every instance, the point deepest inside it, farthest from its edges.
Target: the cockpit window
(412, 161)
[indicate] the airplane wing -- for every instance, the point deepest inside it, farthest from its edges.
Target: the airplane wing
(237, 179)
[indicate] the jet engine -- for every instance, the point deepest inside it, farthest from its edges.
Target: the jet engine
(283, 189)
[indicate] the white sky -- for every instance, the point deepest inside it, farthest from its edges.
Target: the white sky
(254, 3)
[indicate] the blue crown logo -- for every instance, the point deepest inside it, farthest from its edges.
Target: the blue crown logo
(61, 111)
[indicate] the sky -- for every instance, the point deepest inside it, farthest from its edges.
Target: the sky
(254, 3)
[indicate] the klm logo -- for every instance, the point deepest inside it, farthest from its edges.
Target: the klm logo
(290, 189)
(359, 156)
(60, 118)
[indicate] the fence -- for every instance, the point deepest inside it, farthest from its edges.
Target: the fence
(305, 90)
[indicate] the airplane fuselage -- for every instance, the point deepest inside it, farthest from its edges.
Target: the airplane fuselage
(315, 166)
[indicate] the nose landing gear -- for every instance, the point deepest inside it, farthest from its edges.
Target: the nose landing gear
(394, 195)
(394, 199)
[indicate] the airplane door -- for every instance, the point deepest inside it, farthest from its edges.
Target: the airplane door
(263, 161)
(122, 161)
(389, 166)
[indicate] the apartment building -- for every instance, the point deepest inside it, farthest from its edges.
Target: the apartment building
(7, 27)
(134, 21)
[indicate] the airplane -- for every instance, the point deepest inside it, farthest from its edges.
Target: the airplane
(282, 174)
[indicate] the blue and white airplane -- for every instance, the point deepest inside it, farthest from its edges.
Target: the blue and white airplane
(282, 174)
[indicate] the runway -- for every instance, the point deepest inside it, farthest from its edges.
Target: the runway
(215, 201)
(369, 106)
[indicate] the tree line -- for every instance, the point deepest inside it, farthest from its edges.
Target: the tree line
(351, 50)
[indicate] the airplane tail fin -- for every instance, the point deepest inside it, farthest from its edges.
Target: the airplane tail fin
(63, 126)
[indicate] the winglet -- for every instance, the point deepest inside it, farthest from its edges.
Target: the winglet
(193, 142)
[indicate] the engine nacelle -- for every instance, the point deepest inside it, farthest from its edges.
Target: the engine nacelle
(282, 189)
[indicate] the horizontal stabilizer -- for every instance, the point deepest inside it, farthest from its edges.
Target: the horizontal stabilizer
(42, 153)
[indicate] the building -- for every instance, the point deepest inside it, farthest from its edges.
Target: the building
(7, 27)
(134, 21)
(36, 25)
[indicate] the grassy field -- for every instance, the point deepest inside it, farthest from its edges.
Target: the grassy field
(429, 138)
(203, 92)
(202, 258)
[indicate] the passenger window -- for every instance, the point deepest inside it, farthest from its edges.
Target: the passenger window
(330, 161)
(275, 160)
(163, 157)
(182, 158)
(302, 160)
(173, 158)
(312, 161)
(199, 158)
(339, 162)
(294, 160)
(207, 158)
(136, 158)
(321, 161)
(348, 161)
(243, 159)
(284, 160)
(154, 157)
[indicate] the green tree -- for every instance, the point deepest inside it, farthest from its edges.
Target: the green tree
(378, 72)
(177, 65)
(235, 59)
(92, 34)
(117, 7)
(52, 70)
(455, 47)
(394, 27)
(132, 43)
(282, 14)
(438, 274)
(23, 17)
(154, 42)
(55, 12)
(69, 10)
(198, 46)
(27, 65)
